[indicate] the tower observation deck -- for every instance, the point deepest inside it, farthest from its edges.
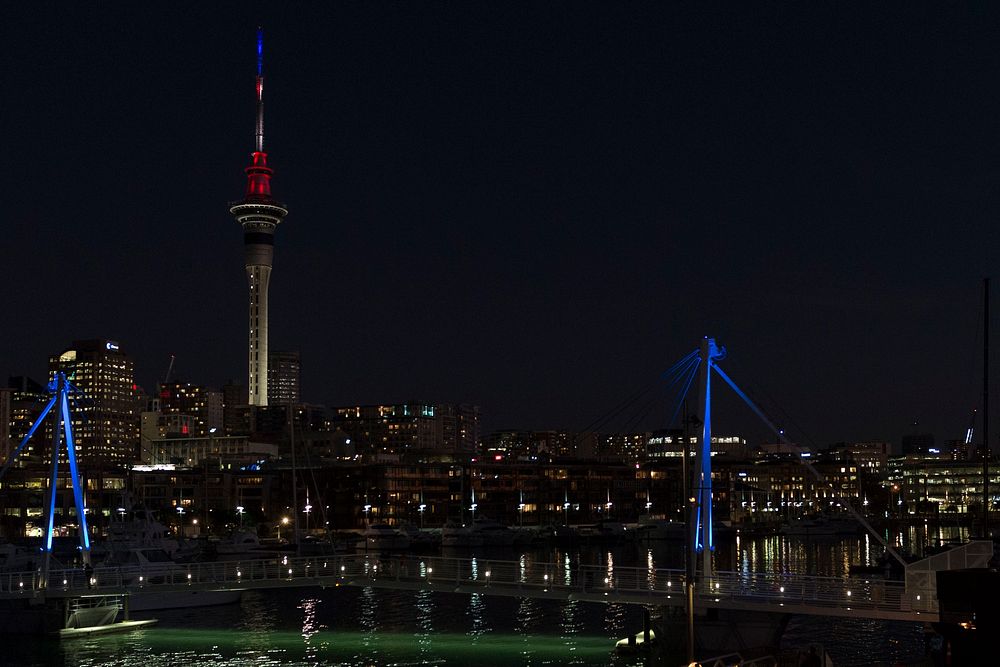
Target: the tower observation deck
(259, 215)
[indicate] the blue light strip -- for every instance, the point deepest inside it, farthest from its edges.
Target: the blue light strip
(684, 392)
(682, 372)
(757, 411)
(74, 477)
(260, 52)
(705, 489)
(680, 364)
(52, 501)
(31, 432)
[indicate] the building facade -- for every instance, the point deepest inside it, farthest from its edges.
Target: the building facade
(283, 373)
(106, 414)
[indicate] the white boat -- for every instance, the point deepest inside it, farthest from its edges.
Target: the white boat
(457, 536)
(147, 565)
(419, 539)
(810, 527)
(18, 559)
(155, 600)
(606, 531)
(139, 528)
(559, 533)
(493, 534)
(650, 528)
(383, 537)
(240, 544)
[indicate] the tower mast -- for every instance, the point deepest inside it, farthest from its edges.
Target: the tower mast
(259, 214)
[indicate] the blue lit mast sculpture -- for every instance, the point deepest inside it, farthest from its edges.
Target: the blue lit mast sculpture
(703, 542)
(703, 362)
(60, 388)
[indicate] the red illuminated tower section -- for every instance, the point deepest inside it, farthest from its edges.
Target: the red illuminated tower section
(259, 214)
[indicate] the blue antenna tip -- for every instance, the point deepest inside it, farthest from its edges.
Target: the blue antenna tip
(260, 50)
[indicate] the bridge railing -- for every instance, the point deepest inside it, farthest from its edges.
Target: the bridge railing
(528, 576)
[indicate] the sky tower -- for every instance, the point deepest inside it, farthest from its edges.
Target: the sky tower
(259, 214)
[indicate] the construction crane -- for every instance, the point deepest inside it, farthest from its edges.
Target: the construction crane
(969, 432)
(170, 370)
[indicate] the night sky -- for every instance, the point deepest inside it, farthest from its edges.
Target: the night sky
(535, 207)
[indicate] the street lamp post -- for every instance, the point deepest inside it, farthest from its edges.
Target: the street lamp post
(239, 511)
(284, 522)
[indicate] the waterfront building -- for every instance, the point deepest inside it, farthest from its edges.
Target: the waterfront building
(510, 445)
(915, 444)
(259, 215)
(669, 443)
(870, 458)
(207, 494)
(283, 372)
(272, 423)
(226, 450)
(26, 400)
(623, 446)
(936, 487)
(106, 415)
(390, 430)
(184, 398)
(7, 446)
(234, 399)
(459, 427)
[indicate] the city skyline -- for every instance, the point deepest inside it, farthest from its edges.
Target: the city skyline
(534, 210)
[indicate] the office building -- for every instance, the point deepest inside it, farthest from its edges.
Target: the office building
(106, 411)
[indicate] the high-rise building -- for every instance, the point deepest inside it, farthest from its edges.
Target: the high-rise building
(259, 214)
(459, 427)
(6, 445)
(106, 414)
(234, 398)
(24, 401)
(184, 398)
(379, 430)
(283, 372)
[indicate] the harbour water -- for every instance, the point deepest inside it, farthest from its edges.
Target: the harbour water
(375, 627)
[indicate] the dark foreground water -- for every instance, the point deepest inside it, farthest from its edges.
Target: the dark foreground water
(370, 627)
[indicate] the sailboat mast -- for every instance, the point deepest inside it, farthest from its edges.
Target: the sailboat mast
(295, 475)
(986, 407)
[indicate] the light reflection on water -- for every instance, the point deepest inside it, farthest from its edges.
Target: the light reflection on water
(368, 626)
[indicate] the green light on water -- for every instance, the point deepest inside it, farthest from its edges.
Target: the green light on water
(234, 647)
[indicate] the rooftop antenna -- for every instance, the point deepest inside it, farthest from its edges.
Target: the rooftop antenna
(260, 90)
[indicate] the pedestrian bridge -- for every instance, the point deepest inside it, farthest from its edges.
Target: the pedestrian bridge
(912, 600)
